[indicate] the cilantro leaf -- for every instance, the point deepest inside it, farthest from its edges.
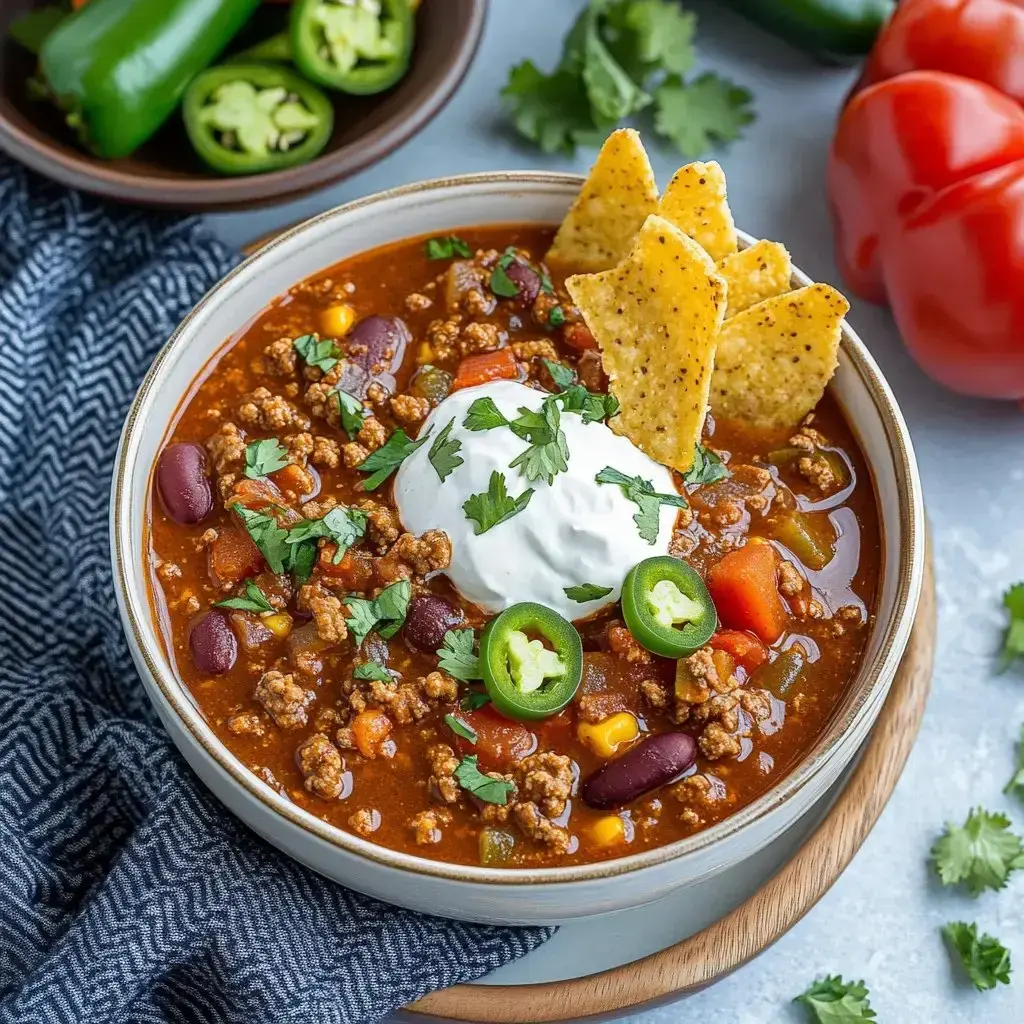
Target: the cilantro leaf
(707, 468)
(643, 494)
(303, 558)
(456, 657)
(650, 35)
(593, 408)
(344, 526)
(254, 601)
(501, 283)
(483, 414)
(473, 699)
(352, 413)
(552, 111)
(371, 670)
(694, 116)
(981, 853)
(548, 453)
(560, 373)
(488, 509)
(986, 960)
(268, 536)
(1015, 786)
(483, 787)
(447, 247)
(583, 592)
(324, 355)
(460, 728)
(556, 316)
(444, 453)
(264, 457)
(386, 459)
(834, 1001)
(613, 95)
(383, 615)
(1013, 642)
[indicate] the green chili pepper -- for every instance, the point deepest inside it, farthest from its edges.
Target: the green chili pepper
(119, 68)
(250, 118)
(806, 538)
(778, 676)
(276, 49)
(527, 680)
(831, 29)
(359, 46)
(667, 607)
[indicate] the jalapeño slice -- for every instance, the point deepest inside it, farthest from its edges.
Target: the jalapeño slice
(667, 607)
(532, 661)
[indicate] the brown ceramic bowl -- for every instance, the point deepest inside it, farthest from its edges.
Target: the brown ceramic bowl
(166, 173)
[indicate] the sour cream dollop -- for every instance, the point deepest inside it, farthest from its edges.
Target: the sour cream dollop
(573, 531)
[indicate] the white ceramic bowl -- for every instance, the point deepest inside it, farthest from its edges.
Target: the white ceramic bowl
(479, 893)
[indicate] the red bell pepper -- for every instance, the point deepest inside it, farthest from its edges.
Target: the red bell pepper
(488, 366)
(926, 186)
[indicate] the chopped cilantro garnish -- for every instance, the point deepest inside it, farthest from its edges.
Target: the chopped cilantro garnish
(707, 468)
(383, 615)
(444, 453)
(562, 376)
(545, 282)
(460, 728)
(473, 699)
(344, 526)
(352, 413)
(483, 787)
(548, 453)
(269, 536)
(264, 457)
(556, 316)
(456, 657)
(648, 501)
(371, 670)
(584, 592)
(575, 397)
(834, 1001)
(981, 853)
(253, 601)
(986, 960)
(494, 506)
(483, 414)
(501, 283)
(447, 247)
(1013, 642)
(323, 354)
(386, 459)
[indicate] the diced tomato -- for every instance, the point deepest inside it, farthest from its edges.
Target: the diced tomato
(354, 571)
(498, 365)
(256, 494)
(370, 728)
(554, 732)
(578, 336)
(747, 650)
(499, 741)
(744, 588)
(293, 478)
(233, 556)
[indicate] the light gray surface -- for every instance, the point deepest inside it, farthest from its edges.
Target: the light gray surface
(881, 920)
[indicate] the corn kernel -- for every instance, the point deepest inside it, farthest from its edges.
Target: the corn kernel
(280, 625)
(609, 831)
(337, 321)
(605, 737)
(426, 353)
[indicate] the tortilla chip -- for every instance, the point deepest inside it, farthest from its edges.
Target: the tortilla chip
(755, 274)
(656, 318)
(695, 201)
(775, 358)
(619, 193)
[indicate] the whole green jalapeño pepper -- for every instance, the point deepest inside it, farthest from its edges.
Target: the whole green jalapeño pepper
(667, 607)
(118, 68)
(252, 118)
(354, 46)
(525, 678)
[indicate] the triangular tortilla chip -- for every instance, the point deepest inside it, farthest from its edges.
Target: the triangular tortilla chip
(602, 224)
(656, 317)
(695, 201)
(775, 358)
(755, 274)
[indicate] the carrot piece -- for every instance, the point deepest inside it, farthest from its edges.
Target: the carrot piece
(578, 336)
(498, 365)
(370, 729)
(747, 650)
(744, 588)
(232, 557)
(293, 478)
(354, 571)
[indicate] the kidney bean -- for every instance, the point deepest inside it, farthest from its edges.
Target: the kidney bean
(654, 762)
(182, 483)
(212, 644)
(526, 279)
(427, 621)
(377, 343)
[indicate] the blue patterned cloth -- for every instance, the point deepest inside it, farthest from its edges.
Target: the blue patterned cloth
(127, 893)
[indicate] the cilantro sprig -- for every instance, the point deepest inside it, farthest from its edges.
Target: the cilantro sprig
(584, 592)
(456, 655)
(386, 459)
(494, 506)
(501, 284)
(444, 452)
(269, 536)
(646, 498)
(832, 1000)
(548, 451)
(254, 600)
(445, 248)
(985, 959)
(344, 526)
(483, 787)
(981, 853)
(264, 457)
(707, 468)
(574, 397)
(621, 58)
(352, 413)
(371, 670)
(321, 353)
(1013, 641)
(460, 728)
(383, 615)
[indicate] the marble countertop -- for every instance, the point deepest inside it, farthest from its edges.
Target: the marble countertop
(881, 920)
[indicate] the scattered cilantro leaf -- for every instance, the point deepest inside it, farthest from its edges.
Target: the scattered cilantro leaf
(584, 592)
(447, 247)
(473, 699)
(444, 453)
(548, 453)
(386, 459)
(551, 110)
(592, 407)
(264, 457)
(323, 354)
(986, 960)
(560, 373)
(697, 115)
(253, 601)
(371, 670)
(383, 615)
(483, 787)
(647, 35)
(647, 500)
(303, 558)
(456, 657)
(556, 316)
(268, 535)
(344, 526)
(834, 1001)
(501, 283)
(483, 414)
(546, 285)
(352, 413)
(1015, 786)
(611, 92)
(981, 853)
(1013, 642)
(460, 728)
(489, 509)
(707, 467)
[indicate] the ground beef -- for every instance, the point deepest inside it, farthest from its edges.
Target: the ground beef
(285, 701)
(791, 582)
(411, 555)
(168, 571)
(365, 821)
(267, 411)
(279, 358)
(438, 686)
(722, 707)
(327, 611)
(596, 707)
(300, 446)
(326, 452)
(655, 694)
(427, 825)
(715, 742)
(377, 395)
(540, 349)
(417, 302)
(817, 471)
(322, 765)
(264, 774)
(807, 438)
(476, 302)
(383, 525)
(402, 701)
(246, 723)
(443, 338)
(477, 337)
(409, 409)
(354, 454)
(227, 449)
(327, 719)
(443, 763)
(622, 643)
(318, 509)
(713, 706)
(372, 434)
(320, 397)
(546, 780)
(540, 829)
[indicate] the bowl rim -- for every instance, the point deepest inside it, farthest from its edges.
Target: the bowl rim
(134, 607)
(210, 192)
